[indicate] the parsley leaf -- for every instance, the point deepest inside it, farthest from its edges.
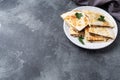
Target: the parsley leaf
(101, 18)
(78, 15)
(81, 40)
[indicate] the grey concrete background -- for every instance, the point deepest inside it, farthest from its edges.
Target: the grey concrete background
(33, 45)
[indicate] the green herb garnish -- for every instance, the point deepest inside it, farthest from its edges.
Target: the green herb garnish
(81, 40)
(101, 18)
(78, 15)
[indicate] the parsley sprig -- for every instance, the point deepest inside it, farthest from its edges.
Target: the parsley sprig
(81, 40)
(78, 15)
(101, 18)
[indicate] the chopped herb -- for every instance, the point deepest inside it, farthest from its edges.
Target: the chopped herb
(81, 40)
(101, 18)
(78, 15)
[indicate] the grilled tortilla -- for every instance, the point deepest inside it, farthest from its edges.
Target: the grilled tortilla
(71, 19)
(91, 37)
(94, 19)
(75, 33)
(102, 31)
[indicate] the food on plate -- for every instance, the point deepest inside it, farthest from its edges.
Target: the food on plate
(89, 25)
(98, 19)
(76, 19)
(93, 37)
(76, 33)
(102, 31)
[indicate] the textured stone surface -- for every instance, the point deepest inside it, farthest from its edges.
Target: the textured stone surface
(33, 45)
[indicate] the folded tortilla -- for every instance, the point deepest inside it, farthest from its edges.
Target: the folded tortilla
(71, 19)
(93, 17)
(75, 33)
(102, 31)
(91, 37)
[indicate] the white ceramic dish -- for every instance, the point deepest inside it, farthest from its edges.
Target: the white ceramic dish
(94, 45)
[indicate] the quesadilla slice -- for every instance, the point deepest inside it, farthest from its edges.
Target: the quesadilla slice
(102, 31)
(75, 33)
(93, 37)
(98, 19)
(75, 19)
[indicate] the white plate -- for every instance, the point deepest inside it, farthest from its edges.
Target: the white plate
(88, 45)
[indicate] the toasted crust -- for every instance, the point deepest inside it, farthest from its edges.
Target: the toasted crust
(75, 33)
(91, 37)
(93, 17)
(102, 31)
(73, 21)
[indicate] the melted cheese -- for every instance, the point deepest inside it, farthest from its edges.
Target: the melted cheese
(75, 33)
